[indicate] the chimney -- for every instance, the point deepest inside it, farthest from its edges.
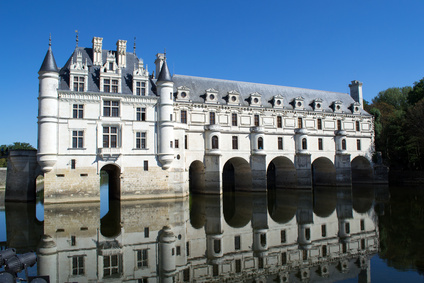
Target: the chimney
(160, 57)
(356, 92)
(121, 50)
(97, 51)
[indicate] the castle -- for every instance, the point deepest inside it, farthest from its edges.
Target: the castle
(158, 135)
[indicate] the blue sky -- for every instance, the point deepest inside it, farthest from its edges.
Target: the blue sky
(310, 44)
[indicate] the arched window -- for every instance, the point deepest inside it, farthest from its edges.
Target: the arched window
(304, 144)
(260, 143)
(343, 144)
(215, 142)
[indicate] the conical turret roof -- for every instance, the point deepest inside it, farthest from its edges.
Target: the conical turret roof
(164, 75)
(49, 64)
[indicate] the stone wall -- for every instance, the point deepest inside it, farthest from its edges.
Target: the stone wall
(3, 173)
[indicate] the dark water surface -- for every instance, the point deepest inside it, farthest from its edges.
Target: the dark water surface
(359, 234)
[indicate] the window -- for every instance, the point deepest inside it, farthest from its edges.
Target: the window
(347, 228)
(362, 224)
(187, 249)
(234, 119)
(78, 265)
(140, 88)
(344, 248)
(77, 139)
(106, 85)
(185, 142)
(215, 269)
(110, 137)
(73, 163)
(280, 143)
(323, 230)
(73, 240)
(305, 255)
(263, 240)
(260, 262)
(146, 165)
(260, 143)
(237, 243)
(140, 140)
(112, 265)
(357, 126)
(215, 142)
(115, 86)
(279, 122)
(304, 144)
(143, 280)
(256, 118)
(212, 118)
(142, 258)
(283, 258)
(343, 144)
(238, 265)
(358, 144)
(178, 250)
(299, 123)
(170, 144)
(111, 108)
(235, 142)
(362, 244)
(78, 111)
(217, 246)
(283, 236)
(110, 85)
(320, 146)
(79, 83)
(319, 124)
(307, 234)
(177, 144)
(339, 124)
(186, 275)
(110, 66)
(184, 116)
(146, 232)
(141, 114)
(324, 250)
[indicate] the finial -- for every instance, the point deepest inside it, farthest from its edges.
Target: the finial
(134, 44)
(50, 40)
(164, 53)
(76, 31)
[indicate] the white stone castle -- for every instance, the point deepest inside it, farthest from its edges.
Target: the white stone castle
(158, 135)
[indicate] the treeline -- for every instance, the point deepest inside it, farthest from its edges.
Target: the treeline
(4, 150)
(399, 125)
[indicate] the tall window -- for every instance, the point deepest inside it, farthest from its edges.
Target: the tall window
(320, 145)
(279, 122)
(140, 140)
(304, 144)
(283, 236)
(358, 126)
(110, 137)
(141, 114)
(111, 108)
(146, 165)
(339, 124)
(177, 144)
(142, 258)
(184, 116)
(185, 142)
(78, 111)
(358, 144)
(110, 85)
(215, 142)
(237, 243)
(260, 143)
(299, 123)
(140, 88)
(78, 265)
(112, 265)
(106, 85)
(212, 118)
(343, 144)
(319, 124)
(115, 86)
(323, 230)
(280, 143)
(79, 83)
(256, 120)
(235, 142)
(77, 139)
(234, 119)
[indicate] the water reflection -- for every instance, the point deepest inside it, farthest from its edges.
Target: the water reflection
(287, 236)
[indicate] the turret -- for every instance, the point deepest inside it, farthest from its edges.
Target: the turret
(165, 90)
(167, 266)
(47, 112)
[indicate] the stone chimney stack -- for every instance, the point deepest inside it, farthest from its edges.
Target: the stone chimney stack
(356, 92)
(160, 58)
(121, 50)
(97, 51)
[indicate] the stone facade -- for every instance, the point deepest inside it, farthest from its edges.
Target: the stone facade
(160, 134)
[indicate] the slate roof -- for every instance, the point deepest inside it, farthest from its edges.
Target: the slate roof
(164, 75)
(49, 64)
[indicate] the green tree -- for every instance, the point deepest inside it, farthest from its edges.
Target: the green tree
(5, 149)
(417, 92)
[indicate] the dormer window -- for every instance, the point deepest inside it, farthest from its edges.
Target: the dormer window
(277, 101)
(233, 98)
(183, 93)
(79, 83)
(317, 104)
(255, 99)
(337, 106)
(110, 75)
(140, 88)
(110, 66)
(355, 108)
(211, 96)
(298, 103)
(78, 74)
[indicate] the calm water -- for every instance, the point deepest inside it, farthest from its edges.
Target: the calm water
(360, 234)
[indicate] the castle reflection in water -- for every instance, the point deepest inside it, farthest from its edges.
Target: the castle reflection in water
(283, 236)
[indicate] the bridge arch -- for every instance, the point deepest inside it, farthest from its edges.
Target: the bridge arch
(236, 175)
(325, 201)
(282, 205)
(196, 175)
(323, 172)
(110, 223)
(237, 208)
(361, 170)
(281, 173)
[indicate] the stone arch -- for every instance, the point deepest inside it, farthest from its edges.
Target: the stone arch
(238, 209)
(323, 172)
(110, 223)
(282, 205)
(363, 198)
(325, 201)
(281, 173)
(196, 174)
(114, 180)
(236, 175)
(361, 170)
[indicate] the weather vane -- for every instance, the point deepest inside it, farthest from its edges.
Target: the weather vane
(76, 31)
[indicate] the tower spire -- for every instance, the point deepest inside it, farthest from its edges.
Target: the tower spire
(134, 44)
(76, 40)
(50, 40)
(49, 63)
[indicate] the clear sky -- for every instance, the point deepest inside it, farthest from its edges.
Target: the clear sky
(310, 44)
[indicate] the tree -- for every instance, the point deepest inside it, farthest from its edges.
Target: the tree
(5, 149)
(417, 92)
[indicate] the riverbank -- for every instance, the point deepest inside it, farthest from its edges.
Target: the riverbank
(3, 173)
(407, 177)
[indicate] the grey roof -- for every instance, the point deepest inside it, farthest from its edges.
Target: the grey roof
(198, 87)
(49, 64)
(164, 75)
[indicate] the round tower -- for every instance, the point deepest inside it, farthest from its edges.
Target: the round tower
(47, 258)
(167, 265)
(47, 112)
(165, 90)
